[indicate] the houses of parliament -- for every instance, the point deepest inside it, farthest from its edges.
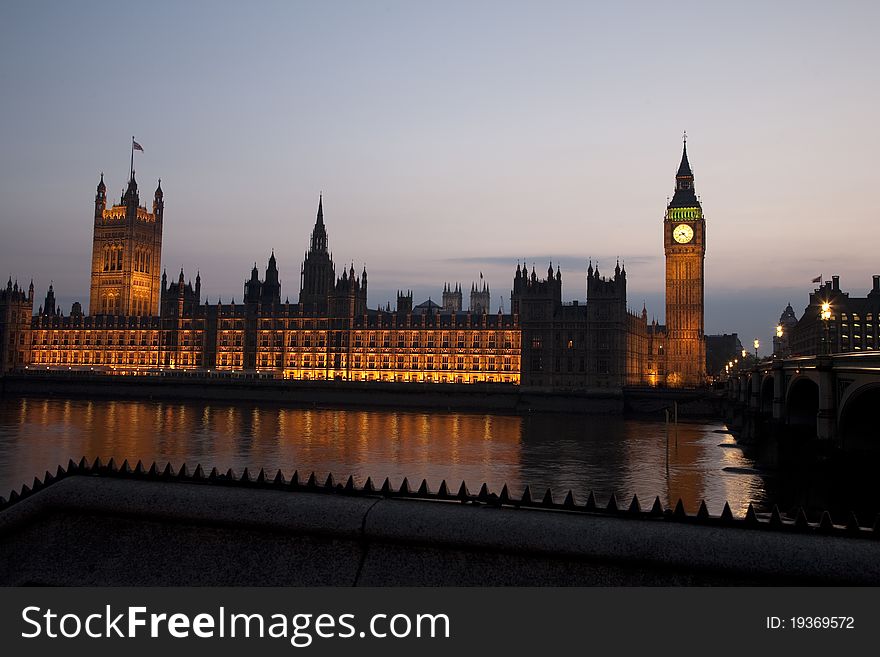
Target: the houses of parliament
(140, 321)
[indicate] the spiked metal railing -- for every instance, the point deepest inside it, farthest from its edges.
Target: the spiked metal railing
(794, 522)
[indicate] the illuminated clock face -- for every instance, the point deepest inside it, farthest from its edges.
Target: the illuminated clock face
(683, 233)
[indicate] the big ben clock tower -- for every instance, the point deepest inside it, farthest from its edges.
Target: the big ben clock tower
(684, 240)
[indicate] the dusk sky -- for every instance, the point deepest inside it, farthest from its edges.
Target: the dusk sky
(451, 139)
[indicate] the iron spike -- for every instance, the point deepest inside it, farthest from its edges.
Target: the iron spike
(368, 486)
(634, 506)
(526, 496)
(825, 524)
(611, 507)
(800, 521)
(386, 487)
(168, 472)
(679, 513)
(852, 524)
(312, 481)
(404, 487)
(329, 483)
(111, 466)
(726, 514)
(751, 517)
(505, 495)
(548, 498)
(423, 489)
(591, 502)
(198, 474)
(279, 479)
(703, 512)
(245, 477)
(443, 491)
(261, 477)
(775, 518)
(657, 507)
(349, 484)
(568, 502)
(463, 493)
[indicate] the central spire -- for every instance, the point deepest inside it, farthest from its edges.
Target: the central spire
(319, 234)
(684, 169)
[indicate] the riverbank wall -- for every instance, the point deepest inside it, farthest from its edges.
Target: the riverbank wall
(451, 396)
(103, 526)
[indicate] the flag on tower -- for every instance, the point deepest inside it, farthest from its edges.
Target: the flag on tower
(136, 146)
(818, 279)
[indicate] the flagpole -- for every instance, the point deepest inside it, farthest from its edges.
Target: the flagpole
(132, 158)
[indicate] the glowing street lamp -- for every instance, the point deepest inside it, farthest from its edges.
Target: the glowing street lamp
(757, 344)
(825, 316)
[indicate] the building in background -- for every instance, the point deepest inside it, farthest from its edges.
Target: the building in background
(721, 350)
(139, 321)
(16, 311)
(852, 323)
(782, 336)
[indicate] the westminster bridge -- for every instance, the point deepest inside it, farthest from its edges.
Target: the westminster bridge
(834, 399)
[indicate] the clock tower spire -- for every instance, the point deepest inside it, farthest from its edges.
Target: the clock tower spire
(684, 239)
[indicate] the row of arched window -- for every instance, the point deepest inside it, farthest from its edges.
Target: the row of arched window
(141, 262)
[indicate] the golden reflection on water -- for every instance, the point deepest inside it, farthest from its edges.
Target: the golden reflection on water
(581, 453)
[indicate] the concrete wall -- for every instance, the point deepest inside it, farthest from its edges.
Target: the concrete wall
(108, 530)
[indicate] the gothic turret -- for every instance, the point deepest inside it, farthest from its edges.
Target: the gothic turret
(100, 199)
(253, 287)
(130, 198)
(271, 292)
(49, 308)
(158, 201)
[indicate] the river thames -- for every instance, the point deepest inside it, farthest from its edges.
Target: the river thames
(583, 453)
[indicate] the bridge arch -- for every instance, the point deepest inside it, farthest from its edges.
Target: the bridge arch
(766, 402)
(858, 419)
(802, 407)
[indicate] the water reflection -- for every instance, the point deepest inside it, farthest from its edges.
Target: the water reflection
(562, 452)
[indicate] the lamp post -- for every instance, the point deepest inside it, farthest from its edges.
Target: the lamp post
(777, 346)
(757, 344)
(825, 315)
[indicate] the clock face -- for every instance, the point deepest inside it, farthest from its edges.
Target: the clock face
(683, 233)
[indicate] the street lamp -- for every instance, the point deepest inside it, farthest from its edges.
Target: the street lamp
(757, 344)
(779, 330)
(825, 315)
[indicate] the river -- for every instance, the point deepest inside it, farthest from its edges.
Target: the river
(581, 453)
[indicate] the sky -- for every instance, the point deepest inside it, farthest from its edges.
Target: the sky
(450, 139)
